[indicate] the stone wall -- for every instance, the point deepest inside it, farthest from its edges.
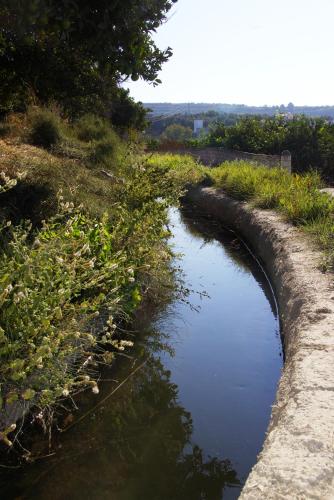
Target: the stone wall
(214, 156)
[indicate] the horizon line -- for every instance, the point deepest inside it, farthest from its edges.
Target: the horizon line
(242, 104)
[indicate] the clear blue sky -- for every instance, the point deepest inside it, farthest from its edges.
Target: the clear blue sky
(246, 51)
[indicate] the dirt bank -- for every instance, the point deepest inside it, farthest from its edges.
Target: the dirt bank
(297, 460)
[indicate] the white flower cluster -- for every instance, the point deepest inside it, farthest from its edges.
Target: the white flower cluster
(122, 344)
(131, 273)
(19, 296)
(8, 182)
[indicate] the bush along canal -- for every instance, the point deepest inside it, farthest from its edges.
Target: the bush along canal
(191, 415)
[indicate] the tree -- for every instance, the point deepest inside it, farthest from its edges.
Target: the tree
(177, 133)
(246, 135)
(310, 140)
(77, 52)
(125, 112)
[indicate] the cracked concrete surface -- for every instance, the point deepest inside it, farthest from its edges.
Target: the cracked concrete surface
(297, 459)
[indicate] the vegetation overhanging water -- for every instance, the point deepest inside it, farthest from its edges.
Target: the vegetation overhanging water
(191, 420)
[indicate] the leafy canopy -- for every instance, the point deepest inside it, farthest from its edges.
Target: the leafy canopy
(71, 49)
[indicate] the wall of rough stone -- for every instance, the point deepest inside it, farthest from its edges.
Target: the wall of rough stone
(214, 156)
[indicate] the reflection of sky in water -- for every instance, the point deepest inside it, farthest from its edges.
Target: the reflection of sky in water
(227, 357)
(185, 426)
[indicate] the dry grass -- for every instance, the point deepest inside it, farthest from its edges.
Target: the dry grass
(53, 173)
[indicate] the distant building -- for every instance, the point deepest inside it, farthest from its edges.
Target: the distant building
(287, 116)
(198, 126)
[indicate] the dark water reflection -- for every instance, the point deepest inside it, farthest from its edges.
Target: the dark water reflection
(189, 424)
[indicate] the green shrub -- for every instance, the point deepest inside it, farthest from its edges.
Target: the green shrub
(105, 152)
(55, 279)
(92, 128)
(104, 145)
(44, 127)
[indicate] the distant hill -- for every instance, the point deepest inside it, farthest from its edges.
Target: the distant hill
(166, 108)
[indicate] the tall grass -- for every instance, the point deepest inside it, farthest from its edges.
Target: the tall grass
(183, 169)
(296, 197)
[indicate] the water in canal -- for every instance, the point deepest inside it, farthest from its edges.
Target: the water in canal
(190, 422)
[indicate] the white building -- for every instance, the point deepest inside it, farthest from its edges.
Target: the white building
(198, 126)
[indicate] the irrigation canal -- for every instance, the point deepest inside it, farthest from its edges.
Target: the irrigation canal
(188, 425)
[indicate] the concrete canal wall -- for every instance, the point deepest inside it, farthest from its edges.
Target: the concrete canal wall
(297, 459)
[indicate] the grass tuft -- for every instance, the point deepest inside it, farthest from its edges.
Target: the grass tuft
(44, 127)
(91, 128)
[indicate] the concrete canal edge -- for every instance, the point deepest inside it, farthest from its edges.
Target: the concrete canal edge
(297, 459)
